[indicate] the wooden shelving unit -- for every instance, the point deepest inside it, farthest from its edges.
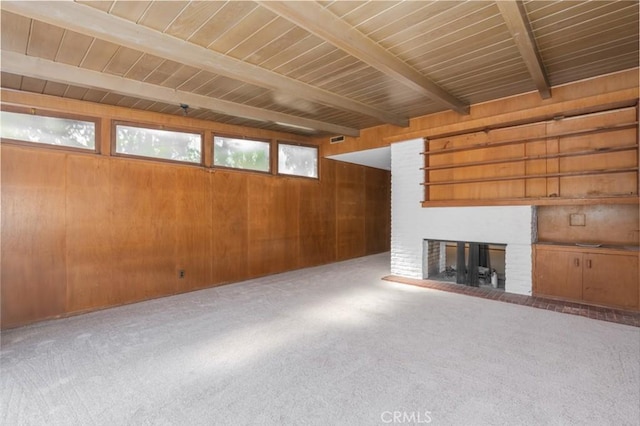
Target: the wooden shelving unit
(584, 158)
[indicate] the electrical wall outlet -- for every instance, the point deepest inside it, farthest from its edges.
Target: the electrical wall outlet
(181, 273)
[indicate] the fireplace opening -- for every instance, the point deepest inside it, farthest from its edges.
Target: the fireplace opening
(467, 263)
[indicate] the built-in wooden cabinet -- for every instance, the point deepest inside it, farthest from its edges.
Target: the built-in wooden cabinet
(611, 279)
(601, 276)
(558, 273)
(588, 253)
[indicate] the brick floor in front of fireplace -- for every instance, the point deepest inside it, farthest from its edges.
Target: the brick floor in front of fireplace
(619, 316)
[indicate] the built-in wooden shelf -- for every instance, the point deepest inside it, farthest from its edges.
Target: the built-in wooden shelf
(533, 201)
(585, 159)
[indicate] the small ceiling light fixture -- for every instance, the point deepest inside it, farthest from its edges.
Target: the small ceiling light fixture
(185, 109)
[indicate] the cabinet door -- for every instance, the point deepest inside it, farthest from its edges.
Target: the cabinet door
(559, 274)
(611, 280)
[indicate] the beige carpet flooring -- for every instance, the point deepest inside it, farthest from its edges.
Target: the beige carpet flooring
(332, 345)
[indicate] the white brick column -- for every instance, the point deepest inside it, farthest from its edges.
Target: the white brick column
(406, 196)
(411, 223)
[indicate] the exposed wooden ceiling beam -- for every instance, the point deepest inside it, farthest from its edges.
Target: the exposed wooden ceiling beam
(45, 69)
(95, 23)
(515, 16)
(322, 23)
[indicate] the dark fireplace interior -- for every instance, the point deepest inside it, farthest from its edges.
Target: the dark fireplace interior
(467, 263)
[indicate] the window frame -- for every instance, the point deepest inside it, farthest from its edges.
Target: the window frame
(97, 122)
(142, 125)
(305, 145)
(269, 172)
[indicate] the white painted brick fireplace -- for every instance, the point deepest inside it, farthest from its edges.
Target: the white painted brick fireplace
(411, 223)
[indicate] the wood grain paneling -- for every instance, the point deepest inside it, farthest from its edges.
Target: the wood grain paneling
(603, 224)
(377, 210)
(558, 274)
(317, 217)
(599, 276)
(193, 249)
(86, 231)
(90, 281)
(33, 235)
(611, 280)
(350, 211)
(143, 229)
(230, 239)
(273, 224)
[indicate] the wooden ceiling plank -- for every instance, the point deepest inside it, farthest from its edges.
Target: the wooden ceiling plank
(55, 89)
(604, 45)
(92, 22)
(15, 32)
(303, 72)
(11, 81)
(198, 79)
(44, 40)
(38, 68)
(324, 24)
(99, 55)
(370, 11)
(448, 30)
(572, 13)
(483, 44)
(73, 48)
(515, 16)
(242, 30)
(407, 14)
(459, 15)
(194, 16)
(600, 67)
(277, 46)
(30, 84)
(220, 22)
(468, 64)
(101, 5)
(291, 52)
(129, 10)
(341, 8)
(343, 68)
(217, 87)
(112, 99)
(122, 61)
(163, 72)
(183, 74)
(161, 15)
(256, 41)
(127, 102)
(609, 28)
(75, 92)
(144, 67)
(316, 52)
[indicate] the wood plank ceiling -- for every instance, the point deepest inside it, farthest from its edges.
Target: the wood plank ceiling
(327, 67)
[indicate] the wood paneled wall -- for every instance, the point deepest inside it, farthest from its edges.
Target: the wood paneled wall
(82, 231)
(608, 224)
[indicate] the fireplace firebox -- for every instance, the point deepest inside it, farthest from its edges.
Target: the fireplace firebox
(468, 263)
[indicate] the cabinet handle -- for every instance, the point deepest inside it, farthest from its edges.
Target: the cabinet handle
(576, 262)
(589, 263)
